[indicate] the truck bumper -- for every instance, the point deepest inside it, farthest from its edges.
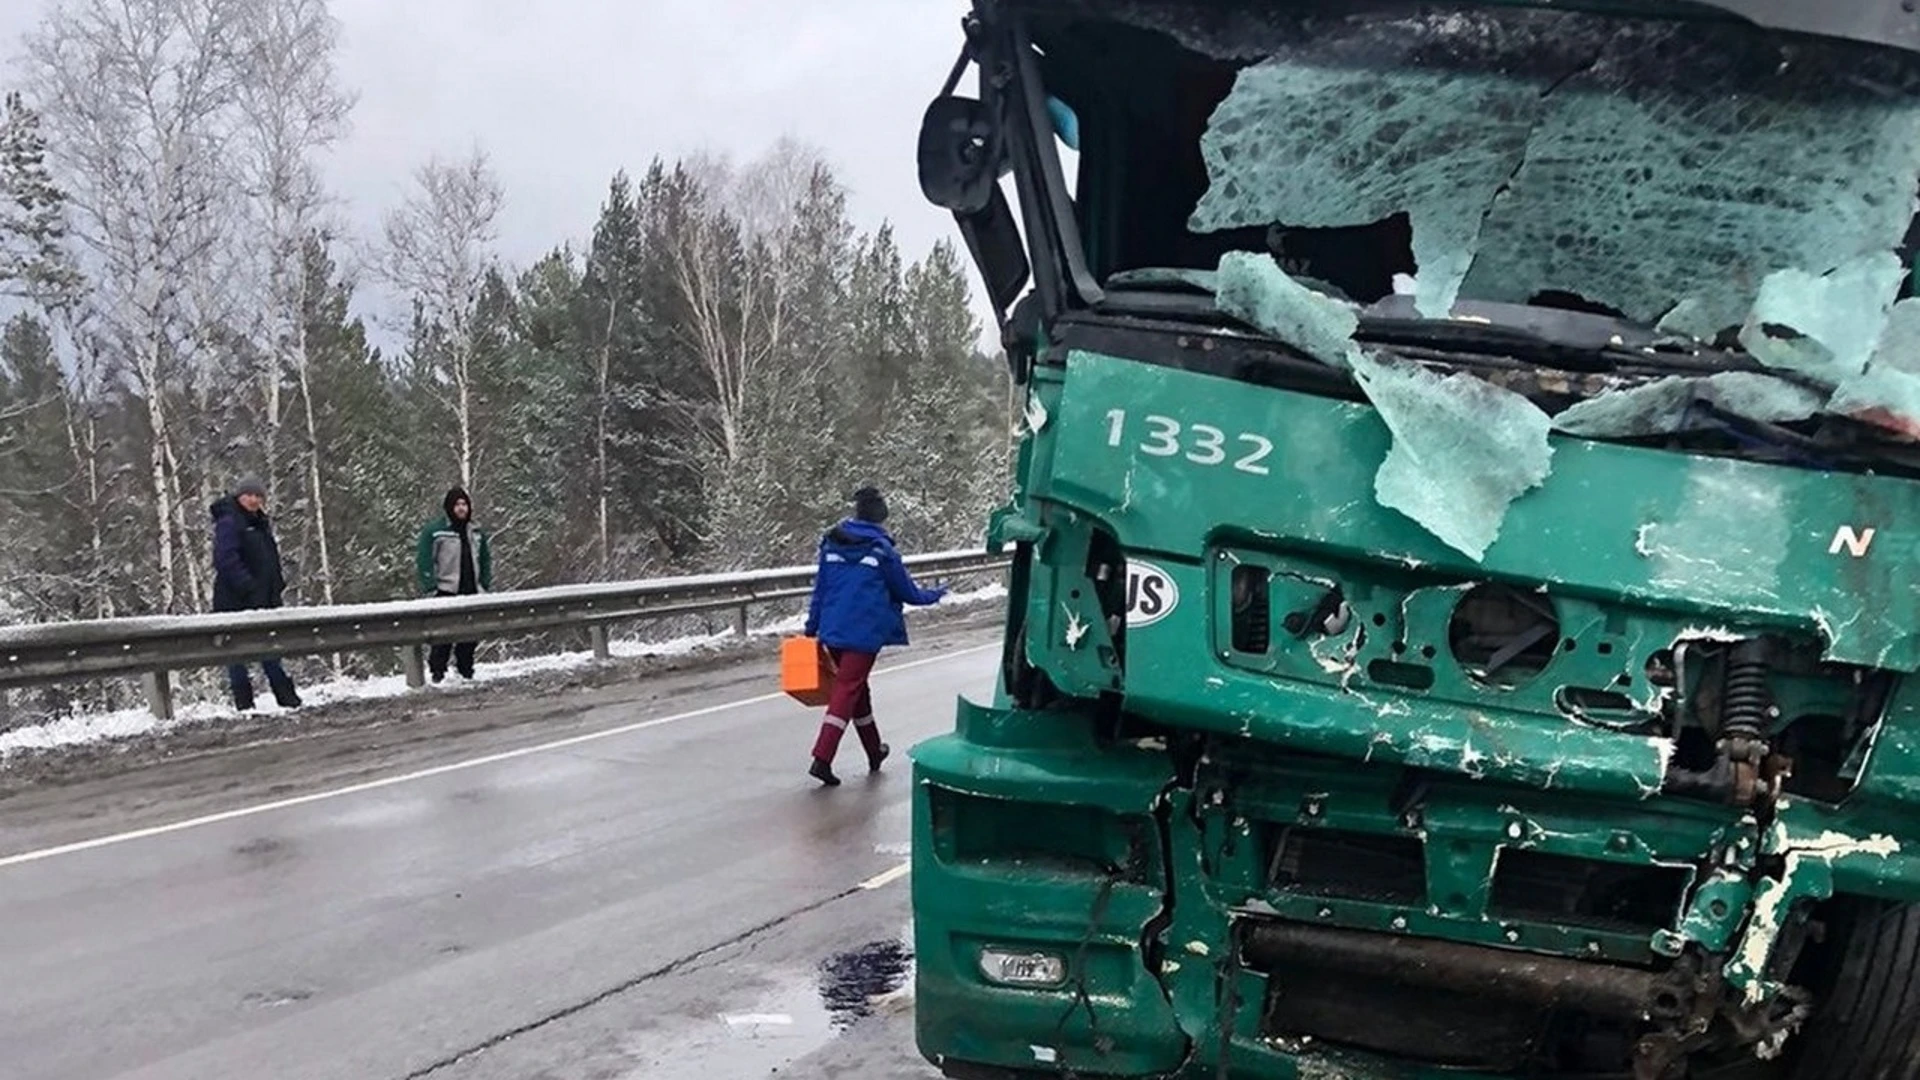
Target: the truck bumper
(1191, 920)
(1032, 839)
(1028, 838)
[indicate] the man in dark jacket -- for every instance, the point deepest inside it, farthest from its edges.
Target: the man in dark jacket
(454, 557)
(247, 577)
(856, 612)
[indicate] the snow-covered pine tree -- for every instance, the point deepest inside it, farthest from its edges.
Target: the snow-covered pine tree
(34, 261)
(946, 438)
(363, 434)
(535, 388)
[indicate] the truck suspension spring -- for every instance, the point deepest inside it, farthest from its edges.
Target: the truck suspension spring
(1748, 701)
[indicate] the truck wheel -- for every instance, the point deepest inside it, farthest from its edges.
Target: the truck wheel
(1866, 1021)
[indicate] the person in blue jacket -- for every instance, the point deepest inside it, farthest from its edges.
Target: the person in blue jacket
(856, 611)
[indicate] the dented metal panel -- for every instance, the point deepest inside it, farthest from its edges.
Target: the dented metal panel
(1721, 540)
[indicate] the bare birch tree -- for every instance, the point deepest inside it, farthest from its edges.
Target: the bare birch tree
(135, 96)
(439, 250)
(86, 444)
(293, 109)
(761, 269)
(738, 265)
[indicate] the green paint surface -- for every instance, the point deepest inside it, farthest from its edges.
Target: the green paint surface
(1072, 830)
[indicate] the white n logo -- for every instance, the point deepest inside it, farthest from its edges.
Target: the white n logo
(1856, 543)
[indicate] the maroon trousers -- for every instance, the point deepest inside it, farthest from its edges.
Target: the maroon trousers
(851, 702)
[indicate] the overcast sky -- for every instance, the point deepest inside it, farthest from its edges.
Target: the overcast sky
(561, 94)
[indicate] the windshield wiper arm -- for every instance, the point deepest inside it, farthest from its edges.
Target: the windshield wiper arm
(1574, 341)
(1570, 340)
(1470, 337)
(1483, 337)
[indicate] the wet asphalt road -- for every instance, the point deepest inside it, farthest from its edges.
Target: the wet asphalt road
(667, 896)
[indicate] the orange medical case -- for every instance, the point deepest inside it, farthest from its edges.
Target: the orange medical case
(806, 672)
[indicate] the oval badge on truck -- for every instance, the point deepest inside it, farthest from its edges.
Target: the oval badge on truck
(1151, 593)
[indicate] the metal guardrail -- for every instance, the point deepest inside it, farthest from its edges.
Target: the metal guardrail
(153, 647)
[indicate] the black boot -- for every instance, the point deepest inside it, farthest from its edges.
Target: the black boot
(823, 772)
(283, 693)
(873, 763)
(243, 698)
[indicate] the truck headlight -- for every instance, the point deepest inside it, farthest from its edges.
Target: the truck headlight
(1023, 968)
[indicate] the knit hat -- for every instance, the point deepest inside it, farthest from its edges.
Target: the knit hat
(250, 485)
(870, 505)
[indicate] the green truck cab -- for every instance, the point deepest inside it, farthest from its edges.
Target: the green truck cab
(1463, 602)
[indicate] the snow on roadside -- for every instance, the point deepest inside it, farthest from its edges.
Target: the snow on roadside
(87, 729)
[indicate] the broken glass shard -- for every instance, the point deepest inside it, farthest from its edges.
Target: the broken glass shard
(1689, 161)
(1887, 394)
(1689, 317)
(1668, 406)
(1463, 450)
(1823, 326)
(1253, 289)
(1151, 276)
(1651, 409)
(1884, 397)
(1899, 345)
(1762, 397)
(1338, 131)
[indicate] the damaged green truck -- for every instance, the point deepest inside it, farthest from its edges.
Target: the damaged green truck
(1465, 532)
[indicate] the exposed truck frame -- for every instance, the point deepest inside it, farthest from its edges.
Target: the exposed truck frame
(1278, 782)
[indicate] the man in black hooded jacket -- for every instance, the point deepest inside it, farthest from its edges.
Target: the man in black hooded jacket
(247, 576)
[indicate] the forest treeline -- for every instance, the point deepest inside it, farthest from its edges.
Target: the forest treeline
(695, 382)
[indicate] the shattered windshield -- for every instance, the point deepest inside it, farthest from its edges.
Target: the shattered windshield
(1661, 170)
(1656, 169)
(1713, 182)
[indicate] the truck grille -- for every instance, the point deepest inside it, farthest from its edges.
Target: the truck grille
(1349, 865)
(1581, 892)
(1527, 886)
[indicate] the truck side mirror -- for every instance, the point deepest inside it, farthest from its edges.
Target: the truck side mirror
(962, 155)
(993, 238)
(962, 152)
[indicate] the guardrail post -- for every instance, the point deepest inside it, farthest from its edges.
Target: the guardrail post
(740, 621)
(602, 646)
(414, 659)
(159, 688)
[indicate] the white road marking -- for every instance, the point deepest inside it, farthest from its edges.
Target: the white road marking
(886, 878)
(442, 770)
(757, 1019)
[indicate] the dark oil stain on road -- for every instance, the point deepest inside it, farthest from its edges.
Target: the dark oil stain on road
(263, 851)
(773, 1019)
(849, 981)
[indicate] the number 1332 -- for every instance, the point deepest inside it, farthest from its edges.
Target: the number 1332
(1201, 444)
